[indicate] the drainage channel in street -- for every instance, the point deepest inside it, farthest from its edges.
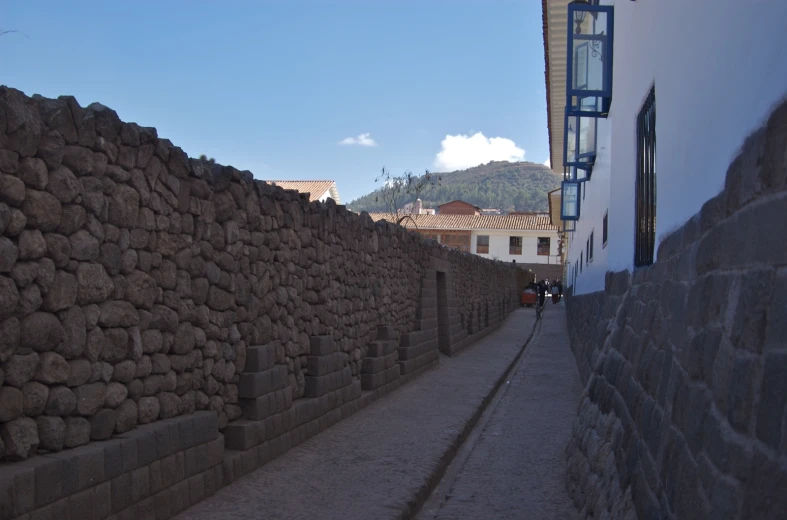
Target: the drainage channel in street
(437, 497)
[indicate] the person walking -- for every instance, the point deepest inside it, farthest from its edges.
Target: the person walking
(555, 292)
(542, 293)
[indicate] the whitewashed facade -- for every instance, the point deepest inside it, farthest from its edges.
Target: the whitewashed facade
(500, 246)
(718, 67)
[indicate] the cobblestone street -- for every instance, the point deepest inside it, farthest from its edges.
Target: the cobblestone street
(380, 462)
(516, 470)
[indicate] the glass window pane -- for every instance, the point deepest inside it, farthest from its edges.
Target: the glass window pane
(570, 200)
(589, 49)
(581, 147)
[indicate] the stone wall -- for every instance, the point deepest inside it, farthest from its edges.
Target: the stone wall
(683, 415)
(134, 282)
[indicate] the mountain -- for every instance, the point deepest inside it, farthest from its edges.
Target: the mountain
(510, 186)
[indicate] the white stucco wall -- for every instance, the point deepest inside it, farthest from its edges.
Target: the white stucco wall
(719, 67)
(499, 241)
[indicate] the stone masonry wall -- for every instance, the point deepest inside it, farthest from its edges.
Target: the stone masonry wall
(684, 415)
(134, 280)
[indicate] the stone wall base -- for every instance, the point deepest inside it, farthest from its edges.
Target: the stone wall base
(152, 471)
(684, 413)
(238, 463)
(455, 348)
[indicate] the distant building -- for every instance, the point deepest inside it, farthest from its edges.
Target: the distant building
(416, 208)
(528, 239)
(491, 211)
(458, 207)
(317, 190)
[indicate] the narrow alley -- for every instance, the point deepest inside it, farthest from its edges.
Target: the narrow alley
(384, 461)
(516, 469)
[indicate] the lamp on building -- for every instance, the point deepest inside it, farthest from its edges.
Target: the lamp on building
(579, 16)
(589, 60)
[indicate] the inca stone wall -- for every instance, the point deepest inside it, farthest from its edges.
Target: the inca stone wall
(134, 281)
(685, 362)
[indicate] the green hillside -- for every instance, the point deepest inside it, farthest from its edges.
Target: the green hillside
(518, 186)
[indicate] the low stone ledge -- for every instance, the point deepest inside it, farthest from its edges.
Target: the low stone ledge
(372, 365)
(411, 365)
(267, 404)
(414, 351)
(454, 349)
(317, 386)
(413, 338)
(323, 365)
(245, 434)
(241, 462)
(382, 348)
(255, 384)
(117, 476)
(378, 379)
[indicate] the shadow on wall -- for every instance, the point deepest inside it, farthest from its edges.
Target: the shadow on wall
(685, 363)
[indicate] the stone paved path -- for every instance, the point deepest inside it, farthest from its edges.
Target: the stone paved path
(516, 469)
(375, 463)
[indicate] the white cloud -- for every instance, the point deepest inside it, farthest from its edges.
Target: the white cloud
(465, 151)
(548, 163)
(361, 140)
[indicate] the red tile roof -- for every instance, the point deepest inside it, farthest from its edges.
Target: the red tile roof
(534, 222)
(315, 189)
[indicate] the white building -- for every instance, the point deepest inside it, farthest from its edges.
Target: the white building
(528, 239)
(317, 190)
(688, 81)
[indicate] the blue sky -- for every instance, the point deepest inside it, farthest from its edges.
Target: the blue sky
(299, 89)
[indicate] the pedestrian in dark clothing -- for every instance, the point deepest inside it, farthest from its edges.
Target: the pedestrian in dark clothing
(542, 292)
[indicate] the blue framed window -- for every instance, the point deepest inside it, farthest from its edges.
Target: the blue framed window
(569, 200)
(579, 144)
(589, 59)
(569, 226)
(572, 173)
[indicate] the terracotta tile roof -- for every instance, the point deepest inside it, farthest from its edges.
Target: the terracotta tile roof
(463, 202)
(315, 189)
(534, 221)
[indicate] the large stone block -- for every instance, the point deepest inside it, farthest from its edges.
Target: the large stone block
(406, 353)
(322, 345)
(322, 365)
(387, 332)
(381, 348)
(260, 358)
(255, 384)
(371, 365)
(371, 381)
(320, 385)
(268, 404)
(411, 365)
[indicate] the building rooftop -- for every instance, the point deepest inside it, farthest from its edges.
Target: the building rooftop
(533, 222)
(315, 189)
(461, 201)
